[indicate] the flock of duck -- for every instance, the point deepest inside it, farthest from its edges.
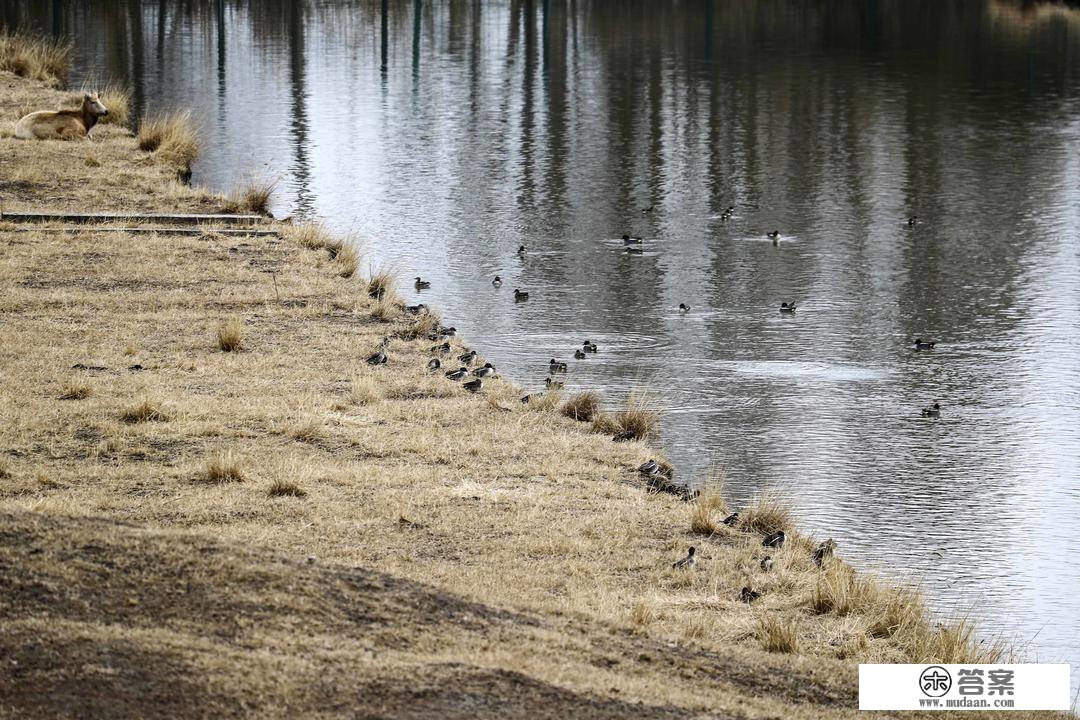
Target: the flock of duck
(773, 541)
(635, 245)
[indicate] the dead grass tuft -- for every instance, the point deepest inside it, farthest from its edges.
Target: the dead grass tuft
(347, 259)
(381, 283)
(230, 335)
(307, 428)
(144, 411)
(954, 643)
(779, 634)
(312, 235)
(34, 57)
(5, 469)
(583, 406)
(767, 514)
(364, 391)
(388, 310)
(704, 511)
(642, 614)
(118, 101)
(419, 328)
(637, 421)
(285, 488)
(223, 467)
(173, 137)
(75, 390)
(252, 196)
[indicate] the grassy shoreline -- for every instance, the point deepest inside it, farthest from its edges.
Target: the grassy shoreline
(201, 475)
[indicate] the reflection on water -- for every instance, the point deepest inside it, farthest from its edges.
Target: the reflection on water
(447, 134)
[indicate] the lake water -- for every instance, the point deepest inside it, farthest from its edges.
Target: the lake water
(444, 135)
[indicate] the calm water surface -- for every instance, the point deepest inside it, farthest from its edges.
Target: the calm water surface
(446, 134)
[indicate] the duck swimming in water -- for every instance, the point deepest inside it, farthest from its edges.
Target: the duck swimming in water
(920, 345)
(684, 308)
(913, 220)
(553, 384)
(520, 295)
(774, 236)
(787, 308)
(646, 211)
(687, 562)
(416, 309)
(579, 354)
(933, 411)
(421, 284)
(556, 367)
(522, 250)
(635, 250)
(497, 282)
(589, 347)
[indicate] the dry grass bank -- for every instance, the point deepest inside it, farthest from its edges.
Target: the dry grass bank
(209, 500)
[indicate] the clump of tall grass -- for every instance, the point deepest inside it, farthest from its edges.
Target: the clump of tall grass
(704, 511)
(144, 411)
(420, 327)
(173, 137)
(5, 469)
(642, 614)
(252, 196)
(347, 260)
(584, 406)
(34, 57)
(637, 421)
(766, 514)
(364, 391)
(75, 390)
(285, 488)
(117, 99)
(223, 467)
(380, 283)
(779, 634)
(312, 235)
(230, 335)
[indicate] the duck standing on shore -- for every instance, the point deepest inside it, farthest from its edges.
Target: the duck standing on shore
(775, 540)
(434, 364)
(474, 385)
(458, 374)
(467, 357)
(748, 596)
(766, 563)
(650, 467)
(731, 519)
(486, 371)
(687, 563)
